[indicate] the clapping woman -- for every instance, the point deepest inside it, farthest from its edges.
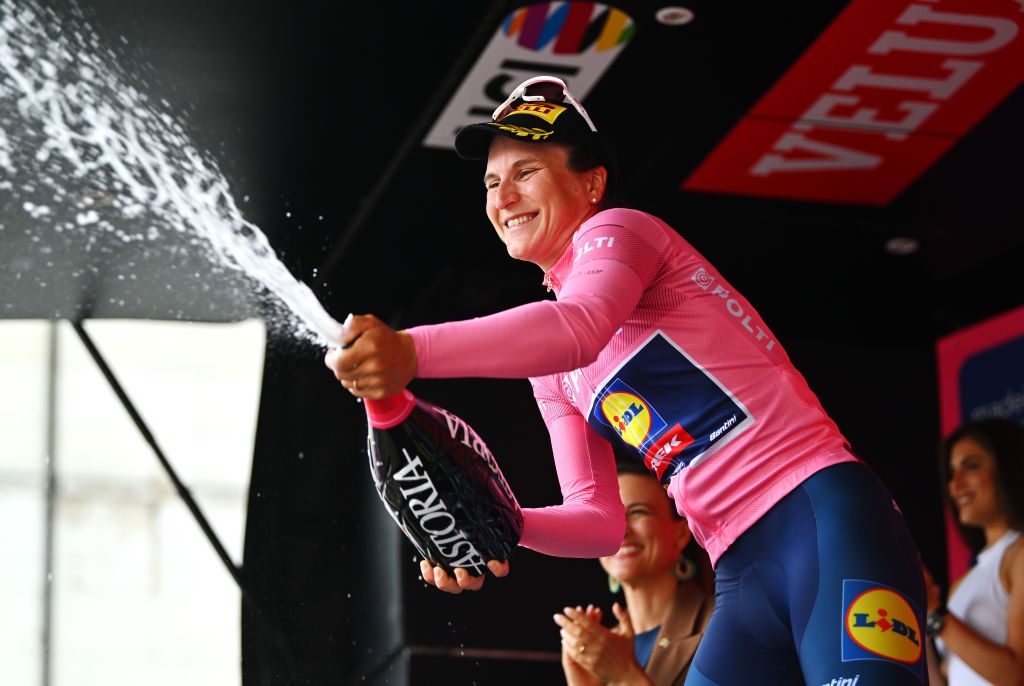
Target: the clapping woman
(666, 609)
(980, 630)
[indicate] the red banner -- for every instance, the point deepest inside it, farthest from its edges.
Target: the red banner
(874, 102)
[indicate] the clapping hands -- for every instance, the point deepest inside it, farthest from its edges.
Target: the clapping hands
(594, 654)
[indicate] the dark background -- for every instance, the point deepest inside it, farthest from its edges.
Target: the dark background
(316, 110)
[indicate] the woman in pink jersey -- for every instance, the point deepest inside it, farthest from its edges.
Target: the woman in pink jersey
(646, 344)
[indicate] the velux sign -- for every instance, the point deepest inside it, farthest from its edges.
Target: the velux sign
(882, 94)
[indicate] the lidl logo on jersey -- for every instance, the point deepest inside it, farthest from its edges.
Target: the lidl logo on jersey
(880, 623)
(626, 412)
(667, 407)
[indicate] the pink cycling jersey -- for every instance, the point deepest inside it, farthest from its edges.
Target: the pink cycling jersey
(648, 345)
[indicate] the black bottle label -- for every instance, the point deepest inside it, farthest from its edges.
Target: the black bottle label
(441, 484)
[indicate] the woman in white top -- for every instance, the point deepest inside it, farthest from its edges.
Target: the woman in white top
(980, 633)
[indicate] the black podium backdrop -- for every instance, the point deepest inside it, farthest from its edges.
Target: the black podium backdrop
(312, 112)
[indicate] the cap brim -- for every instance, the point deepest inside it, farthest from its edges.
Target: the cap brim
(473, 141)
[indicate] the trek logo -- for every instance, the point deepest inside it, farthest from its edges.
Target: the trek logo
(545, 110)
(840, 681)
(626, 411)
(879, 623)
(702, 278)
(673, 442)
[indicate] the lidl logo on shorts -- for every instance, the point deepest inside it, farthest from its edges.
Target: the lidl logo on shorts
(629, 414)
(880, 623)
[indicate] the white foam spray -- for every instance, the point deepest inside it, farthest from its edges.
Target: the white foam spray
(68, 113)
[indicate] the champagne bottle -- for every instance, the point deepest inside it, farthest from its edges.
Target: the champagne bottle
(440, 483)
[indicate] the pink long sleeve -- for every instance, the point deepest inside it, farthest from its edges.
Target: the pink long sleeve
(591, 520)
(532, 340)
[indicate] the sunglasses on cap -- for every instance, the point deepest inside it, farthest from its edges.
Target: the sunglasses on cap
(541, 89)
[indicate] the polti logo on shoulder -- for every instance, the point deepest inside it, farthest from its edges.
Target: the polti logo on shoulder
(592, 244)
(735, 308)
(702, 278)
(880, 623)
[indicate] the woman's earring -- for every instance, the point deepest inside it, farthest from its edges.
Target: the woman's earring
(614, 585)
(684, 569)
(593, 201)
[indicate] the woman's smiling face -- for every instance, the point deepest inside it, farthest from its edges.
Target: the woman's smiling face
(534, 201)
(972, 483)
(654, 536)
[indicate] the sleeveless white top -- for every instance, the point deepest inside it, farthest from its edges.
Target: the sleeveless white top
(982, 603)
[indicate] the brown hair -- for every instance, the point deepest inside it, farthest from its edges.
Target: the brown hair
(625, 464)
(582, 159)
(1004, 440)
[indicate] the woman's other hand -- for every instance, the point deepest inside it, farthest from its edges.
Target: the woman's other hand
(463, 581)
(606, 654)
(376, 362)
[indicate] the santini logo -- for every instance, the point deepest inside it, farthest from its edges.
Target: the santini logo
(840, 681)
(725, 427)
